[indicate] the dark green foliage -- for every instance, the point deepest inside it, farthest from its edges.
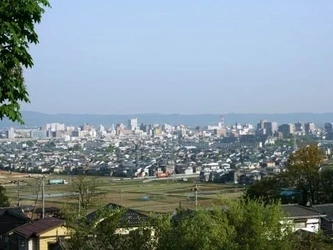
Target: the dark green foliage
(107, 230)
(266, 189)
(17, 23)
(30, 143)
(4, 202)
(194, 230)
(310, 241)
(304, 175)
(303, 172)
(327, 185)
(235, 225)
(111, 148)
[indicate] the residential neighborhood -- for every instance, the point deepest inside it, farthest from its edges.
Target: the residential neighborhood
(239, 155)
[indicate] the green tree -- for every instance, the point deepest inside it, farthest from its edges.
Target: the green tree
(326, 177)
(30, 143)
(4, 202)
(270, 190)
(84, 188)
(303, 171)
(107, 229)
(258, 225)
(234, 225)
(111, 148)
(267, 189)
(17, 31)
(201, 229)
(306, 176)
(306, 240)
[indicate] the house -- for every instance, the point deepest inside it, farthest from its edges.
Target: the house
(302, 218)
(48, 212)
(10, 218)
(130, 219)
(41, 234)
(327, 221)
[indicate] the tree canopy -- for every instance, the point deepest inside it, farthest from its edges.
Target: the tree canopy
(305, 179)
(4, 202)
(303, 170)
(17, 31)
(238, 224)
(85, 188)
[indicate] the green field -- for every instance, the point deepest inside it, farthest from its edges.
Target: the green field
(158, 196)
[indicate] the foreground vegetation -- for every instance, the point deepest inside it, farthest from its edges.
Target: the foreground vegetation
(234, 225)
(17, 32)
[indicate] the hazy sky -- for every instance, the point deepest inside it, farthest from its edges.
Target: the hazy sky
(183, 56)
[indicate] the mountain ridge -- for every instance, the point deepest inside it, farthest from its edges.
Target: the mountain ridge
(33, 118)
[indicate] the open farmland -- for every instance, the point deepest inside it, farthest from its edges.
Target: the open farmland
(146, 195)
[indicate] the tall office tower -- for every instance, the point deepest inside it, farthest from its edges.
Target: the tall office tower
(270, 128)
(133, 124)
(10, 134)
(221, 123)
(260, 125)
(287, 129)
(309, 128)
(265, 127)
(299, 127)
(328, 127)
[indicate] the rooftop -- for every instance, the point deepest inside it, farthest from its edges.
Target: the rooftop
(326, 209)
(130, 217)
(38, 227)
(297, 211)
(14, 211)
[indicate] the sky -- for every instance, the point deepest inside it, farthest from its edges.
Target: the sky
(186, 57)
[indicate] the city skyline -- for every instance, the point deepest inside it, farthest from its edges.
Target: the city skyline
(191, 57)
(38, 119)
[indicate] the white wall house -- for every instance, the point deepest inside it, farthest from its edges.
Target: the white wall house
(302, 218)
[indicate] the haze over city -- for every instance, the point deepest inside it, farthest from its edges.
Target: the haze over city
(127, 57)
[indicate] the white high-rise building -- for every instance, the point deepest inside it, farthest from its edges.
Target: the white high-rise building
(10, 134)
(55, 126)
(133, 124)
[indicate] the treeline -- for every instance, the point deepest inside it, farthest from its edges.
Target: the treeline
(235, 225)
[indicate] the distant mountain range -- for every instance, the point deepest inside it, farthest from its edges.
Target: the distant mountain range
(37, 119)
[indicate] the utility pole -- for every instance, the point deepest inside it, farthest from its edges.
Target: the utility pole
(196, 196)
(18, 193)
(43, 200)
(137, 154)
(79, 203)
(195, 189)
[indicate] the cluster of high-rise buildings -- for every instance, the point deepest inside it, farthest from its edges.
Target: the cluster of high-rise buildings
(265, 127)
(51, 130)
(133, 127)
(60, 130)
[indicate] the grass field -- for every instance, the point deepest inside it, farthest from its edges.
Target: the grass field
(157, 196)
